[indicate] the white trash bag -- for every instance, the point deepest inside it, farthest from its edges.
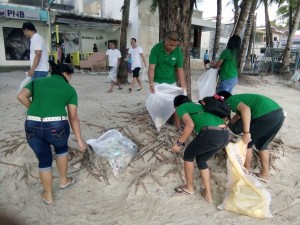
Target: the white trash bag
(295, 80)
(160, 105)
(24, 82)
(207, 83)
(144, 75)
(112, 74)
(116, 148)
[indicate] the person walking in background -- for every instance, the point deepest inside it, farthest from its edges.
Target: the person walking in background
(206, 60)
(59, 53)
(95, 48)
(38, 52)
(165, 63)
(228, 64)
(213, 135)
(114, 57)
(135, 53)
(128, 60)
(259, 119)
(46, 124)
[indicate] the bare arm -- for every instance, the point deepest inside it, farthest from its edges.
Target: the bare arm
(217, 64)
(181, 77)
(143, 58)
(246, 117)
(24, 97)
(187, 131)
(36, 61)
(75, 124)
(151, 77)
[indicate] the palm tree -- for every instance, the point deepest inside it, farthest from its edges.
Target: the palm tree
(287, 11)
(122, 73)
(218, 30)
(246, 37)
(245, 9)
(287, 51)
(176, 15)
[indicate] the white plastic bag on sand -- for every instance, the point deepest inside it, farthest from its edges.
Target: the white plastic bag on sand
(112, 74)
(144, 75)
(245, 194)
(207, 83)
(160, 105)
(24, 83)
(116, 148)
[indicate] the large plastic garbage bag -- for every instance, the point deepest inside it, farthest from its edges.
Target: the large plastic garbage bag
(160, 105)
(26, 80)
(244, 194)
(207, 83)
(116, 148)
(295, 80)
(144, 75)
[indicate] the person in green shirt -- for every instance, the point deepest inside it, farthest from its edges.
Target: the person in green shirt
(259, 118)
(213, 135)
(228, 64)
(46, 124)
(165, 62)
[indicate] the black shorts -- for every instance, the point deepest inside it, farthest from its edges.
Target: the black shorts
(205, 145)
(263, 129)
(206, 61)
(136, 72)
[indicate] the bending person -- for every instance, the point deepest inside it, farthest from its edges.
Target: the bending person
(213, 135)
(47, 124)
(259, 119)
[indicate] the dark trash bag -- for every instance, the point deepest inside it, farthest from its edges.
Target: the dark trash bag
(216, 106)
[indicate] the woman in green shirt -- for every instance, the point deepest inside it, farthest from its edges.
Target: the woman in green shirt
(46, 124)
(259, 119)
(228, 64)
(213, 135)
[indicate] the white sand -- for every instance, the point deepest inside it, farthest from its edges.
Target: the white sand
(90, 201)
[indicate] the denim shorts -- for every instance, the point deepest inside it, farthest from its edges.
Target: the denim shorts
(41, 135)
(39, 74)
(227, 85)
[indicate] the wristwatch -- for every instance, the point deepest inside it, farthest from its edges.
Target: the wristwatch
(180, 143)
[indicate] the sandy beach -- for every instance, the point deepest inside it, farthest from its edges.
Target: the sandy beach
(143, 194)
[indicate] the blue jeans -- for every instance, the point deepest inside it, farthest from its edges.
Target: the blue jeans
(39, 74)
(40, 135)
(227, 85)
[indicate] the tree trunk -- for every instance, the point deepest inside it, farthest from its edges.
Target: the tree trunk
(269, 38)
(287, 51)
(246, 5)
(122, 72)
(236, 11)
(218, 30)
(176, 15)
(246, 37)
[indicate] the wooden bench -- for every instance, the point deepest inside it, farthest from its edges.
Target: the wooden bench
(96, 62)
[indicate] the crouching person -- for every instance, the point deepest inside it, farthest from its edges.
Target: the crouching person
(259, 119)
(213, 135)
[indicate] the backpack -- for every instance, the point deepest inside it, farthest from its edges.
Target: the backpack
(216, 105)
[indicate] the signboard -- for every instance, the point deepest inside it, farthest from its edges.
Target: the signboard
(19, 14)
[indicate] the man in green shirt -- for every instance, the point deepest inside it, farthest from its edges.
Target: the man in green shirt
(165, 62)
(259, 119)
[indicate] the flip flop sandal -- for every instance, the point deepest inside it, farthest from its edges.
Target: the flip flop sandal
(44, 200)
(72, 181)
(182, 190)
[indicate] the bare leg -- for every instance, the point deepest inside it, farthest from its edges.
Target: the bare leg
(112, 83)
(62, 165)
(133, 82)
(46, 179)
(188, 172)
(265, 164)
(177, 121)
(206, 193)
(248, 159)
(139, 82)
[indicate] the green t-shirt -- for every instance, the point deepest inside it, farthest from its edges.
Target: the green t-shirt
(51, 95)
(165, 64)
(200, 119)
(258, 104)
(228, 68)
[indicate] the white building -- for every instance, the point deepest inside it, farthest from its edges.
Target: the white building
(81, 23)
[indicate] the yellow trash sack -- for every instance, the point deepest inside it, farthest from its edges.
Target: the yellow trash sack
(244, 194)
